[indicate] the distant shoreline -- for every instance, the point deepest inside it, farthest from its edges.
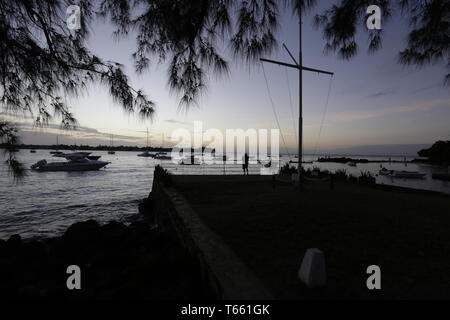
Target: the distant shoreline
(166, 149)
(335, 158)
(86, 147)
(354, 160)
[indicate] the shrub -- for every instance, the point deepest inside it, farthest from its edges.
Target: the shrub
(366, 178)
(351, 178)
(287, 169)
(340, 174)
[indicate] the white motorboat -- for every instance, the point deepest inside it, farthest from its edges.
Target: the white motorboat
(408, 174)
(77, 155)
(75, 164)
(72, 155)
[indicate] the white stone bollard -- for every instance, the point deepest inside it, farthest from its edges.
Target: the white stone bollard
(312, 271)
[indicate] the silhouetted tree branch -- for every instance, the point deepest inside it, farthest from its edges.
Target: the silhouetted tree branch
(9, 139)
(41, 59)
(428, 39)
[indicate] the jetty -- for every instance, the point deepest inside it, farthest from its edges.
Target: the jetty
(363, 160)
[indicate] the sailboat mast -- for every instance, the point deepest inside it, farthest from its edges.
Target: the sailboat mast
(300, 103)
(299, 65)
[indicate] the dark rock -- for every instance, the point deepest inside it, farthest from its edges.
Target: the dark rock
(140, 229)
(83, 232)
(14, 242)
(146, 205)
(30, 292)
(116, 261)
(114, 230)
(2, 246)
(34, 250)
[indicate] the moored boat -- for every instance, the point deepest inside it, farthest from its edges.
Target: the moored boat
(162, 156)
(80, 164)
(385, 172)
(112, 145)
(145, 154)
(72, 155)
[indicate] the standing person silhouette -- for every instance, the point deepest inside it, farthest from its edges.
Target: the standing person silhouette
(245, 164)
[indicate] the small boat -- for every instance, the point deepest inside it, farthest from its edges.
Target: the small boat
(162, 156)
(408, 174)
(80, 164)
(57, 144)
(112, 144)
(351, 164)
(32, 151)
(146, 154)
(385, 172)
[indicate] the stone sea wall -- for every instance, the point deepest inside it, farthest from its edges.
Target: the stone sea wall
(223, 273)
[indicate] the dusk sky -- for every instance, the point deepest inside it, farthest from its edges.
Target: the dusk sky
(373, 101)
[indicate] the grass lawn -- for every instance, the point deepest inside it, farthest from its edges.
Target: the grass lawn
(406, 234)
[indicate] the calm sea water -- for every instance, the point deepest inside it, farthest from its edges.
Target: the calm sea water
(46, 203)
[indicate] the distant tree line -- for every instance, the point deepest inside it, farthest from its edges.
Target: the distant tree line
(95, 148)
(438, 153)
(86, 147)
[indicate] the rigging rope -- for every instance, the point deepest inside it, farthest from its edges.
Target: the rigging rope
(274, 111)
(323, 116)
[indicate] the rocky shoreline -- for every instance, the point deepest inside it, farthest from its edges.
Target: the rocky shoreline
(116, 262)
